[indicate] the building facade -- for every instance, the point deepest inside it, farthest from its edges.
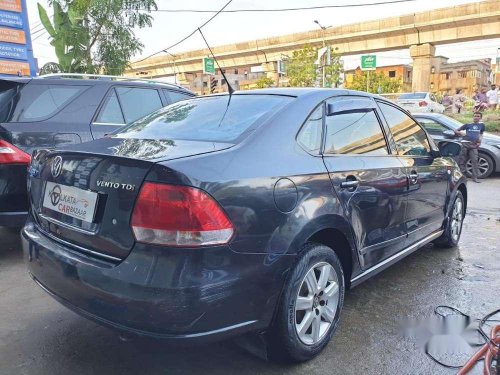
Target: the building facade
(401, 73)
(468, 76)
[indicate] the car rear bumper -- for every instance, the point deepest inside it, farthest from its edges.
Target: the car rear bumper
(189, 294)
(12, 219)
(13, 195)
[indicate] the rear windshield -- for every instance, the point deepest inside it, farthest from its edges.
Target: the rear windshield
(415, 95)
(217, 118)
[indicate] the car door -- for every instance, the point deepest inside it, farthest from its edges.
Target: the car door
(123, 105)
(428, 174)
(368, 179)
(434, 128)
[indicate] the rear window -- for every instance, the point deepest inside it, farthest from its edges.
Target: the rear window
(8, 91)
(40, 101)
(217, 118)
(415, 95)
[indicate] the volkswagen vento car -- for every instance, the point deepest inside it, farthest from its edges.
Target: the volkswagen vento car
(255, 212)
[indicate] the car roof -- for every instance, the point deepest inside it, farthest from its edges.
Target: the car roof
(106, 80)
(304, 92)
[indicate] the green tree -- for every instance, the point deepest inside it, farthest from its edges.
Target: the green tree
(300, 69)
(334, 70)
(378, 83)
(264, 82)
(94, 36)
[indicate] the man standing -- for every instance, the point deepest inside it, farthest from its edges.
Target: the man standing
(492, 96)
(472, 141)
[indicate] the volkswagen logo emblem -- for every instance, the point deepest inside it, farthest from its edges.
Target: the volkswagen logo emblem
(56, 167)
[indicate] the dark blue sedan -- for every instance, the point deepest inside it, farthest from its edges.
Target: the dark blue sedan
(254, 212)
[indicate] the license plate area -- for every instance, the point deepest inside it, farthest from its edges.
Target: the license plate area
(70, 204)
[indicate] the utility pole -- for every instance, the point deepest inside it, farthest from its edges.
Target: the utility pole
(325, 56)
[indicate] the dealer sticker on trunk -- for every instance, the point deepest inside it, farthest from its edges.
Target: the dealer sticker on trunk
(70, 201)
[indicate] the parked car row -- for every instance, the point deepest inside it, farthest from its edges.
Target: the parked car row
(222, 215)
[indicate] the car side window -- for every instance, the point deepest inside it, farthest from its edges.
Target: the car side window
(176, 96)
(409, 137)
(137, 102)
(432, 126)
(310, 135)
(355, 132)
(111, 112)
(44, 100)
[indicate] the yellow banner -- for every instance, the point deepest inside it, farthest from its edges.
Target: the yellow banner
(12, 36)
(14, 67)
(11, 5)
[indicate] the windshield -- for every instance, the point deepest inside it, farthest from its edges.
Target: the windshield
(415, 95)
(216, 118)
(455, 124)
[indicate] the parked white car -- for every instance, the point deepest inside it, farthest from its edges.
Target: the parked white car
(420, 102)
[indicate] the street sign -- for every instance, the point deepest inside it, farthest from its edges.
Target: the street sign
(368, 62)
(16, 52)
(208, 66)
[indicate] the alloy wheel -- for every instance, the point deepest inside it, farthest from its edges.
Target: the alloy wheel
(482, 164)
(457, 216)
(316, 303)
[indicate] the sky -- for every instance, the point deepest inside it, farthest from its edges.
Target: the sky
(168, 28)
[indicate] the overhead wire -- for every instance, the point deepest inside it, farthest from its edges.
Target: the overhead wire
(186, 37)
(284, 9)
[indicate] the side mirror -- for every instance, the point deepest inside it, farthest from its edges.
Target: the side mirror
(451, 149)
(449, 134)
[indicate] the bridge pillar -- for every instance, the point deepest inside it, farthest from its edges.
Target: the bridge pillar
(422, 55)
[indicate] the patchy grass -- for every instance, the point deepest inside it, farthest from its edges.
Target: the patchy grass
(490, 119)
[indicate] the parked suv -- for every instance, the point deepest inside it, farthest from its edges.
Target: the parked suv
(56, 110)
(254, 212)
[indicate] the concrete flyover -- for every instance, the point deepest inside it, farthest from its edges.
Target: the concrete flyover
(420, 32)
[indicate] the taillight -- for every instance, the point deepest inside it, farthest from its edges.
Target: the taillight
(10, 154)
(422, 104)
(179, 216)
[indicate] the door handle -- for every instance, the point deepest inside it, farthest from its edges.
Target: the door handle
(350, 185)
(413, 177)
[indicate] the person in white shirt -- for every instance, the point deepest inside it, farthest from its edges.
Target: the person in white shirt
(492, 96)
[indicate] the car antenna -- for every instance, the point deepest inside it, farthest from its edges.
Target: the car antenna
(229, 87)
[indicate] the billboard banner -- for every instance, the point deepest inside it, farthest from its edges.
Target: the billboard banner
(16, 52)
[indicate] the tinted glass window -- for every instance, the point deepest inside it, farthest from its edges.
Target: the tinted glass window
(176, 96)
(138, 102)
(409, 137)
(432, 126)
(310, 134)
(41, 101)
(218, 118)
(111, 112)
(415, 95)
(354, 133)
(8, 91)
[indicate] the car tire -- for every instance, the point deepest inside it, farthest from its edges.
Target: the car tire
(306, 319)
(485, 162)
(453, 230)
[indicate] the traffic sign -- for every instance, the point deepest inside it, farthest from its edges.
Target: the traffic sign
(368, 62)
(208, 66)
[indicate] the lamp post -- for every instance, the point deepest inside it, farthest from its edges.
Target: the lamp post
(323, 67)
(173, 61)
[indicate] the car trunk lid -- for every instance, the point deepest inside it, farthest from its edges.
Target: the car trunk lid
(85, 196)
